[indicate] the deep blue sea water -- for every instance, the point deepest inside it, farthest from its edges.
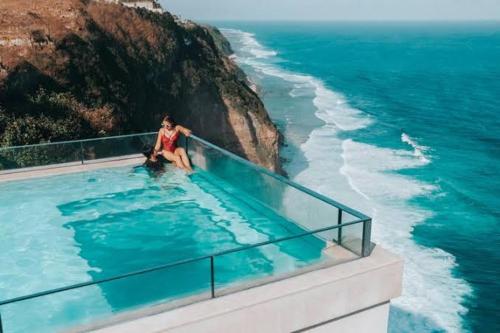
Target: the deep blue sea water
(402, 121)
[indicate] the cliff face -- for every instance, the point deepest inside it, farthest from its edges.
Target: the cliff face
(73, 69)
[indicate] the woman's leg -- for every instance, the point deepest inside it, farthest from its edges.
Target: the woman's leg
(184, 157)
(172, 157)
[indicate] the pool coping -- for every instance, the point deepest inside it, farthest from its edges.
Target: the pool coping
(71, 167)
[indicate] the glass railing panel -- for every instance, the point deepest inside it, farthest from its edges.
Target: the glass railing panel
(116, 146)
(290, 202)
(350, 245)
(96, 304)
(73, 151)
(247, 179)
(279, 260)
(352, 237)
(39, 155)
(347, 217)
(309, 212)
(266, 263)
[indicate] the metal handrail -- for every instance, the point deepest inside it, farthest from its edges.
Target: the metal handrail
(76, 141)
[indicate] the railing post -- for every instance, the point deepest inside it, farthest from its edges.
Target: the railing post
(1, 327)
(186, 144)
(212, 277)
(366, 241)
(339, 221)
(81, 157)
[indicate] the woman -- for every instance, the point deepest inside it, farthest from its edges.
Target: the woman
(166, 143)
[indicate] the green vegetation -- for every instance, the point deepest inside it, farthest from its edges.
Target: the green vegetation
(46, 116)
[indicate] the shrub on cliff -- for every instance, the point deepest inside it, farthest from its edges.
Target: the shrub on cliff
(47, 116)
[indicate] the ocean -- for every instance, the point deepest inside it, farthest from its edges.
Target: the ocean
(401, 121)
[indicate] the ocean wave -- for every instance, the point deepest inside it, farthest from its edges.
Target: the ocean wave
(251, 44)
(366, 167)
(418, 150)
(331, 106)
(299, 90)
(365, 177)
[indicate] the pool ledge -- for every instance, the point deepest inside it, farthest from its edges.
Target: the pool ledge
(73, 167)
(350, 297)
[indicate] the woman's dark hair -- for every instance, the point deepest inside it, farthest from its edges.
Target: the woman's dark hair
(169, 119)
(148, 150)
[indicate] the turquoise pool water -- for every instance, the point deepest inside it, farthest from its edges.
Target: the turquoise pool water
(68, 229)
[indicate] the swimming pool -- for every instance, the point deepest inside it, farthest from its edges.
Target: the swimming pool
(68, 229)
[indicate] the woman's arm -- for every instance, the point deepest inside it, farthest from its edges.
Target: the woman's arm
(183, 130)
(158, 141)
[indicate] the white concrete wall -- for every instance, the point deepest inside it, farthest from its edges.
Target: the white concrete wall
(147, 4)
(372, 320)
(143, 4)
(355, 293)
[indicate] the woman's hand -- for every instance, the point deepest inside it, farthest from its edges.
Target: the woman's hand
(187, 132)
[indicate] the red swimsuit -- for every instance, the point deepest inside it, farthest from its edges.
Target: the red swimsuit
(169, 142)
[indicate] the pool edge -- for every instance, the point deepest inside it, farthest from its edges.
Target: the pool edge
(73, 167)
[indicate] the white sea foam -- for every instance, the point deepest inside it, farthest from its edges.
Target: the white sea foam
(364, 177)
(332, 108)
(252, 45)
(418, 150)
(299, 90)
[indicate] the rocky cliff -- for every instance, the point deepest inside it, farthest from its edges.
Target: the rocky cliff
(74, 69)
